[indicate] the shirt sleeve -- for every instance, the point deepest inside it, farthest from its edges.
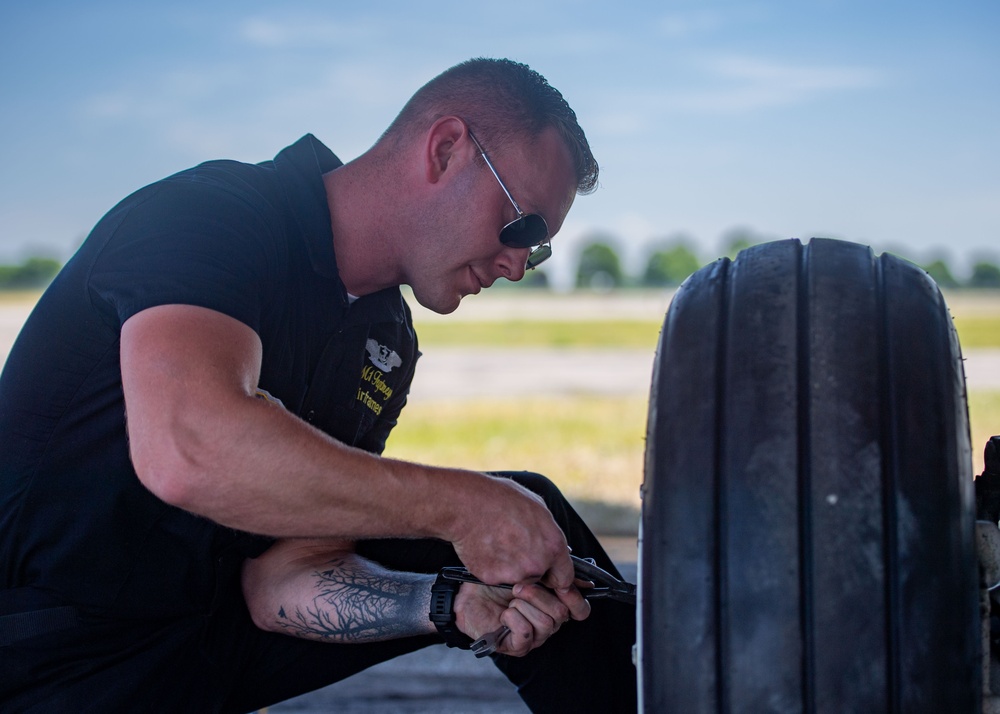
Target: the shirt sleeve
(181, 242)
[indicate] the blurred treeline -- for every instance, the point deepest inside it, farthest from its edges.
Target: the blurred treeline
(32, 273)
(669, 261)
(599, 266)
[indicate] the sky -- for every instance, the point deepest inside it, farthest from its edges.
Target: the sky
(871, 121)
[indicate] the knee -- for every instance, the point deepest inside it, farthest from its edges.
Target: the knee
(539, 485)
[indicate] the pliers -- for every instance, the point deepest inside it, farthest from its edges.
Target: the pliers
(488, 643)
(606, 586)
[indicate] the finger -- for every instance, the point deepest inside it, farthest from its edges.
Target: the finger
(541, 625)
(542, 599)
(570, 601)
(561, 575)
(575, 602)
(521, 639)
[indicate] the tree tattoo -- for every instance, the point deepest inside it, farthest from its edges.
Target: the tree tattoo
(357, 602)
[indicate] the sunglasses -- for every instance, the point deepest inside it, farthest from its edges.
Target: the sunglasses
(528, 230)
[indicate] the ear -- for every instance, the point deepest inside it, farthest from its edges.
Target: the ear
(441, 146)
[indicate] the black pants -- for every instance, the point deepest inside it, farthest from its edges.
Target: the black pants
(223, 663)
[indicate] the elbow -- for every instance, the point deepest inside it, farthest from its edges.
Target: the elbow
(170, 472)
(255, 595)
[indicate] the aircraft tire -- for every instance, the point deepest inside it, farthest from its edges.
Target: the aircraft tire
(807, 534)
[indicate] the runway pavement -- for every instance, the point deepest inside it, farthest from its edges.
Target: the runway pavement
(475, 373)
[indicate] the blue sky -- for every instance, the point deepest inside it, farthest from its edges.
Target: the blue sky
(877, 122)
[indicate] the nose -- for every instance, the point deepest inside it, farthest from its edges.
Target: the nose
(510, 263)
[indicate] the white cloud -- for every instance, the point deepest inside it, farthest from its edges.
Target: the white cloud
(258, 31)
(683, 25)
(748, 83)
(795, 76)
(298, 33)
(617, 123)
(271, 33)
(679, 25)
(109, 105)
(720, 85)
(241, 110)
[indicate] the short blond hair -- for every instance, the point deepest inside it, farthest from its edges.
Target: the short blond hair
(502, 101)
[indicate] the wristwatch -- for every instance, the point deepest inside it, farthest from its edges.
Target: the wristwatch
(443, 612)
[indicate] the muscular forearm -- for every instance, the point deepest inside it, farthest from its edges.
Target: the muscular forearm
(338, 597)
(255, 467)
(201, 441)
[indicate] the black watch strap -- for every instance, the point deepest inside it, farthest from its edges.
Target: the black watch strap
(443, 612)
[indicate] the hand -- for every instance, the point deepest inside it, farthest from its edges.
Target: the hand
(533, 613)
(505, 534)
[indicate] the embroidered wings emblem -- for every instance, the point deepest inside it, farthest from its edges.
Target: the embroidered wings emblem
(382, 357)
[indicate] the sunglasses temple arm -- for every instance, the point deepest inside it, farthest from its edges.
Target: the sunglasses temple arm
(489, 164)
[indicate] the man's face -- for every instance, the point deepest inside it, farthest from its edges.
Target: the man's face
(466, 254)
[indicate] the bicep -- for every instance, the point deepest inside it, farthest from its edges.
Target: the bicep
(183, 367)
(183, 346)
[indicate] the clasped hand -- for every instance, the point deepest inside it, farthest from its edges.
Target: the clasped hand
(531, 611)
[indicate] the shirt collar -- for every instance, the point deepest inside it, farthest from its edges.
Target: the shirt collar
(300, 168)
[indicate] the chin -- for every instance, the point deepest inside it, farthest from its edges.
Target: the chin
(446, 309)
(441, 304)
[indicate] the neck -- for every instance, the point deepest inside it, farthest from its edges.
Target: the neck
(363, 239)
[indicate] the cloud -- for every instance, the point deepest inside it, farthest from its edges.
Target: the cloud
(617, 122)
(108, 105)
(678, 25)
(299, 33)
(719, 85)
(794, 76)
(748, 83)
(696, 23)
(270, 33)
(241, 109)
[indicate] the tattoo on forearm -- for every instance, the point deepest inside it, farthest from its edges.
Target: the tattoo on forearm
(355, 602)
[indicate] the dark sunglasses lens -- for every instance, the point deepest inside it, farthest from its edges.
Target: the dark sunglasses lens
(538, 256)
(525, 232)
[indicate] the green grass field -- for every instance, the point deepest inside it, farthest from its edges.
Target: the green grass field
(984, 422)
(628, 334)
(592, 447)
(19, 297)
(978, 331)
(975, 331)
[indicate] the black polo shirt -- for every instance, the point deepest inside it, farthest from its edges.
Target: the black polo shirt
(251, 241)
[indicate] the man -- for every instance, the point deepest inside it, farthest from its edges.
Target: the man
(193, 512)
